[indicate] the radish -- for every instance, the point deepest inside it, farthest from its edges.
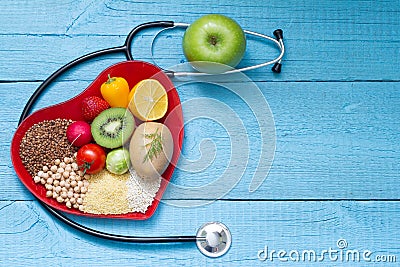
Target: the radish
(79, 134)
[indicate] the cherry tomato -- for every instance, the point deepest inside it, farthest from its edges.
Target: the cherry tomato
(91, 158)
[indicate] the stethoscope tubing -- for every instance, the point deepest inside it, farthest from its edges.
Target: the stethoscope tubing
(28, 107)
(126, 49)
(116, 237)
(278, 42)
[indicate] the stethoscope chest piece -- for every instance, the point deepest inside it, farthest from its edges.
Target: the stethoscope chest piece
(213, 239)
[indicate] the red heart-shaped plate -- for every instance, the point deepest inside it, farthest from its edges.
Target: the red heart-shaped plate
(133, 72)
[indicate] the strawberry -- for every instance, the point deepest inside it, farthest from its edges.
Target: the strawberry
(92, 106)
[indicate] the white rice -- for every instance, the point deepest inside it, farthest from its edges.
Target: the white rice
(141, 191)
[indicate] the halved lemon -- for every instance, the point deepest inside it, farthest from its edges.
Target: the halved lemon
(148, 100)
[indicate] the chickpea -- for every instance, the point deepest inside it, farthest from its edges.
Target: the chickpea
(68, 204)
(36, 179)
(57, 162)
(45, 169)
(50, 180)
(74, 166)
(81, 208)
(60, 170)
(53, 168)
(68, 168)
(60, 199)
(40, 173)
(49, 193)
(56, 183)
(63, 165)
(66, 174)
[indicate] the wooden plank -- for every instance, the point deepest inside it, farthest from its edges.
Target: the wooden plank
(331, 20)
(337, 130)
(334, 140)
(30, 235)
(36, 57)
(346, 49)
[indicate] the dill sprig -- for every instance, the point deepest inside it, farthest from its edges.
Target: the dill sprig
(155, 145)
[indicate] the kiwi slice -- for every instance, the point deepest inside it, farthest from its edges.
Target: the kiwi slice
(113, 127)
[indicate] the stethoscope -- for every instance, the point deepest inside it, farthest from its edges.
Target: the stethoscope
(213, 239)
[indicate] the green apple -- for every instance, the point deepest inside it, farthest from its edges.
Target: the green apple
(214, 43)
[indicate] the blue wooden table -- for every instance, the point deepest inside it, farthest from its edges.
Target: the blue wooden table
(332, 118)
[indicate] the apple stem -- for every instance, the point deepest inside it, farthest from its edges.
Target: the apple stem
(213, 40)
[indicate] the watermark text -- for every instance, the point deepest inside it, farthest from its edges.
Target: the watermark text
(341, 253)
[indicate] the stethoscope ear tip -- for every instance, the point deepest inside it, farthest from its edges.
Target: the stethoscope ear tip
(278, 33)
(277, 67)
(213, 239)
